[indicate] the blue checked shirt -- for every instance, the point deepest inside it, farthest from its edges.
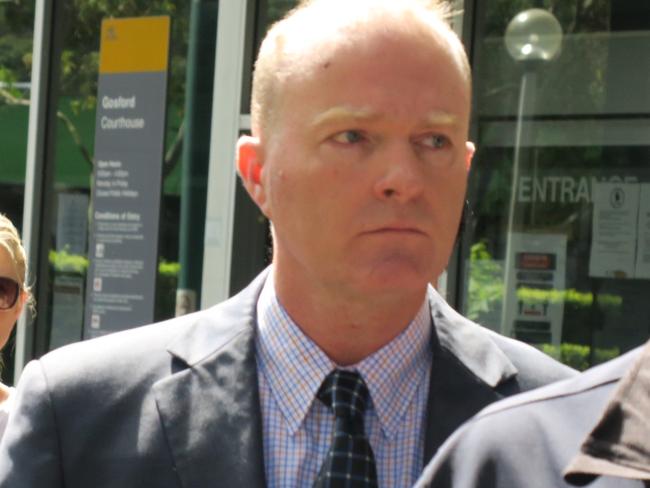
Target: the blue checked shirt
(298, 428)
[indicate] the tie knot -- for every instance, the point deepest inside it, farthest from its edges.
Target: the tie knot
(345, 393)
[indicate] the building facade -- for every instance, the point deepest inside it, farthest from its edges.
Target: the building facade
(555, 244)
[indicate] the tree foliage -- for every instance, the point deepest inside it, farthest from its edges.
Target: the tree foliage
(16, 26)
(78, 63)
(80, 56)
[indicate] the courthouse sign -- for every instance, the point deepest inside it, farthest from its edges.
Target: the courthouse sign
(127, 179)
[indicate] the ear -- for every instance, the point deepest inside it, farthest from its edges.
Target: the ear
(249, 167)
(470, 149)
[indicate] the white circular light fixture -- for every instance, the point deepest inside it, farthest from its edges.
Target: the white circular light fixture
(533, 35)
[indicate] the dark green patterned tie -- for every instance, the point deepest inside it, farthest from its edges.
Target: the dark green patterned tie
(350, 461)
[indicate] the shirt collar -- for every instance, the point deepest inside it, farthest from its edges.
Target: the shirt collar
(291, 362)
(295, 366)
(396, 371)
(618, 445)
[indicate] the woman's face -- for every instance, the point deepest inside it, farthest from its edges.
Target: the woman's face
(9, 317)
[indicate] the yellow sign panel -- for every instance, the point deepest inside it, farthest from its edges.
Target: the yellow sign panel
(134, 45)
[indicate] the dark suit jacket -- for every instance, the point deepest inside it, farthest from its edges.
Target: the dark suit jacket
(176, 404)
(529, 440)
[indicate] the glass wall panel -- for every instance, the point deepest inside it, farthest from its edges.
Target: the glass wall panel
(556, 248)
(16, 38)
(16, 33)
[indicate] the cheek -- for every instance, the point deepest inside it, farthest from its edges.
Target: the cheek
(291, 200)
(7, 321)
(448, 197)
(303, 188)
(452, 181)
(457, 188)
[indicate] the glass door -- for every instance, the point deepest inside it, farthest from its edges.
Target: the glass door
(556, 247)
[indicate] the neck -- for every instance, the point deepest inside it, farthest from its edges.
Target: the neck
(347, 327)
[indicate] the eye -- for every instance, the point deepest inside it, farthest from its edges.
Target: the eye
(435, 141)
(348, 137)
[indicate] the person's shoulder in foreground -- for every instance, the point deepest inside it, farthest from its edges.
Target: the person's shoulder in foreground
(577, 432)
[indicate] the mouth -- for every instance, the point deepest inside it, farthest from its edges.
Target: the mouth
(397, 230)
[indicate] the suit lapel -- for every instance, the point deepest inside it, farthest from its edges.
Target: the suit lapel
(466, 368)
(455, 395)
(210, 407)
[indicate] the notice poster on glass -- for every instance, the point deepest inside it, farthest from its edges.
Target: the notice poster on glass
(129, 152)
(67, 310)
(535, 283)
(72, 223)
(614, 232)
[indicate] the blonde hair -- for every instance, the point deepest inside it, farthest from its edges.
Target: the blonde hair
(316, 20)
(10, 241)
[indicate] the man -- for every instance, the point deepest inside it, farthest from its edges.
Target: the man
(590, 430)
(341, 350)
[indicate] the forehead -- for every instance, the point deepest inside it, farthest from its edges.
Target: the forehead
(392, 71)
(311, 37)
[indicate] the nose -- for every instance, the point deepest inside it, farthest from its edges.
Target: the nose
(401, 178)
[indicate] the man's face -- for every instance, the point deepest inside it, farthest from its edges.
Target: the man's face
(365, 167)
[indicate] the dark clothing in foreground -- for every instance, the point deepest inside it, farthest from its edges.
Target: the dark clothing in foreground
(592, 430)
(176, 404)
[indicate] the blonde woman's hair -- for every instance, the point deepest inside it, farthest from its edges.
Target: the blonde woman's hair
(10, 241)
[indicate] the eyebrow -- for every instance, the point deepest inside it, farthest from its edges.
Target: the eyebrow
(343, 113)
(335, 114)
(441, 118)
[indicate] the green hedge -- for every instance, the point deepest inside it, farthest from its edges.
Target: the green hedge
(62, 262)
(578, 356)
